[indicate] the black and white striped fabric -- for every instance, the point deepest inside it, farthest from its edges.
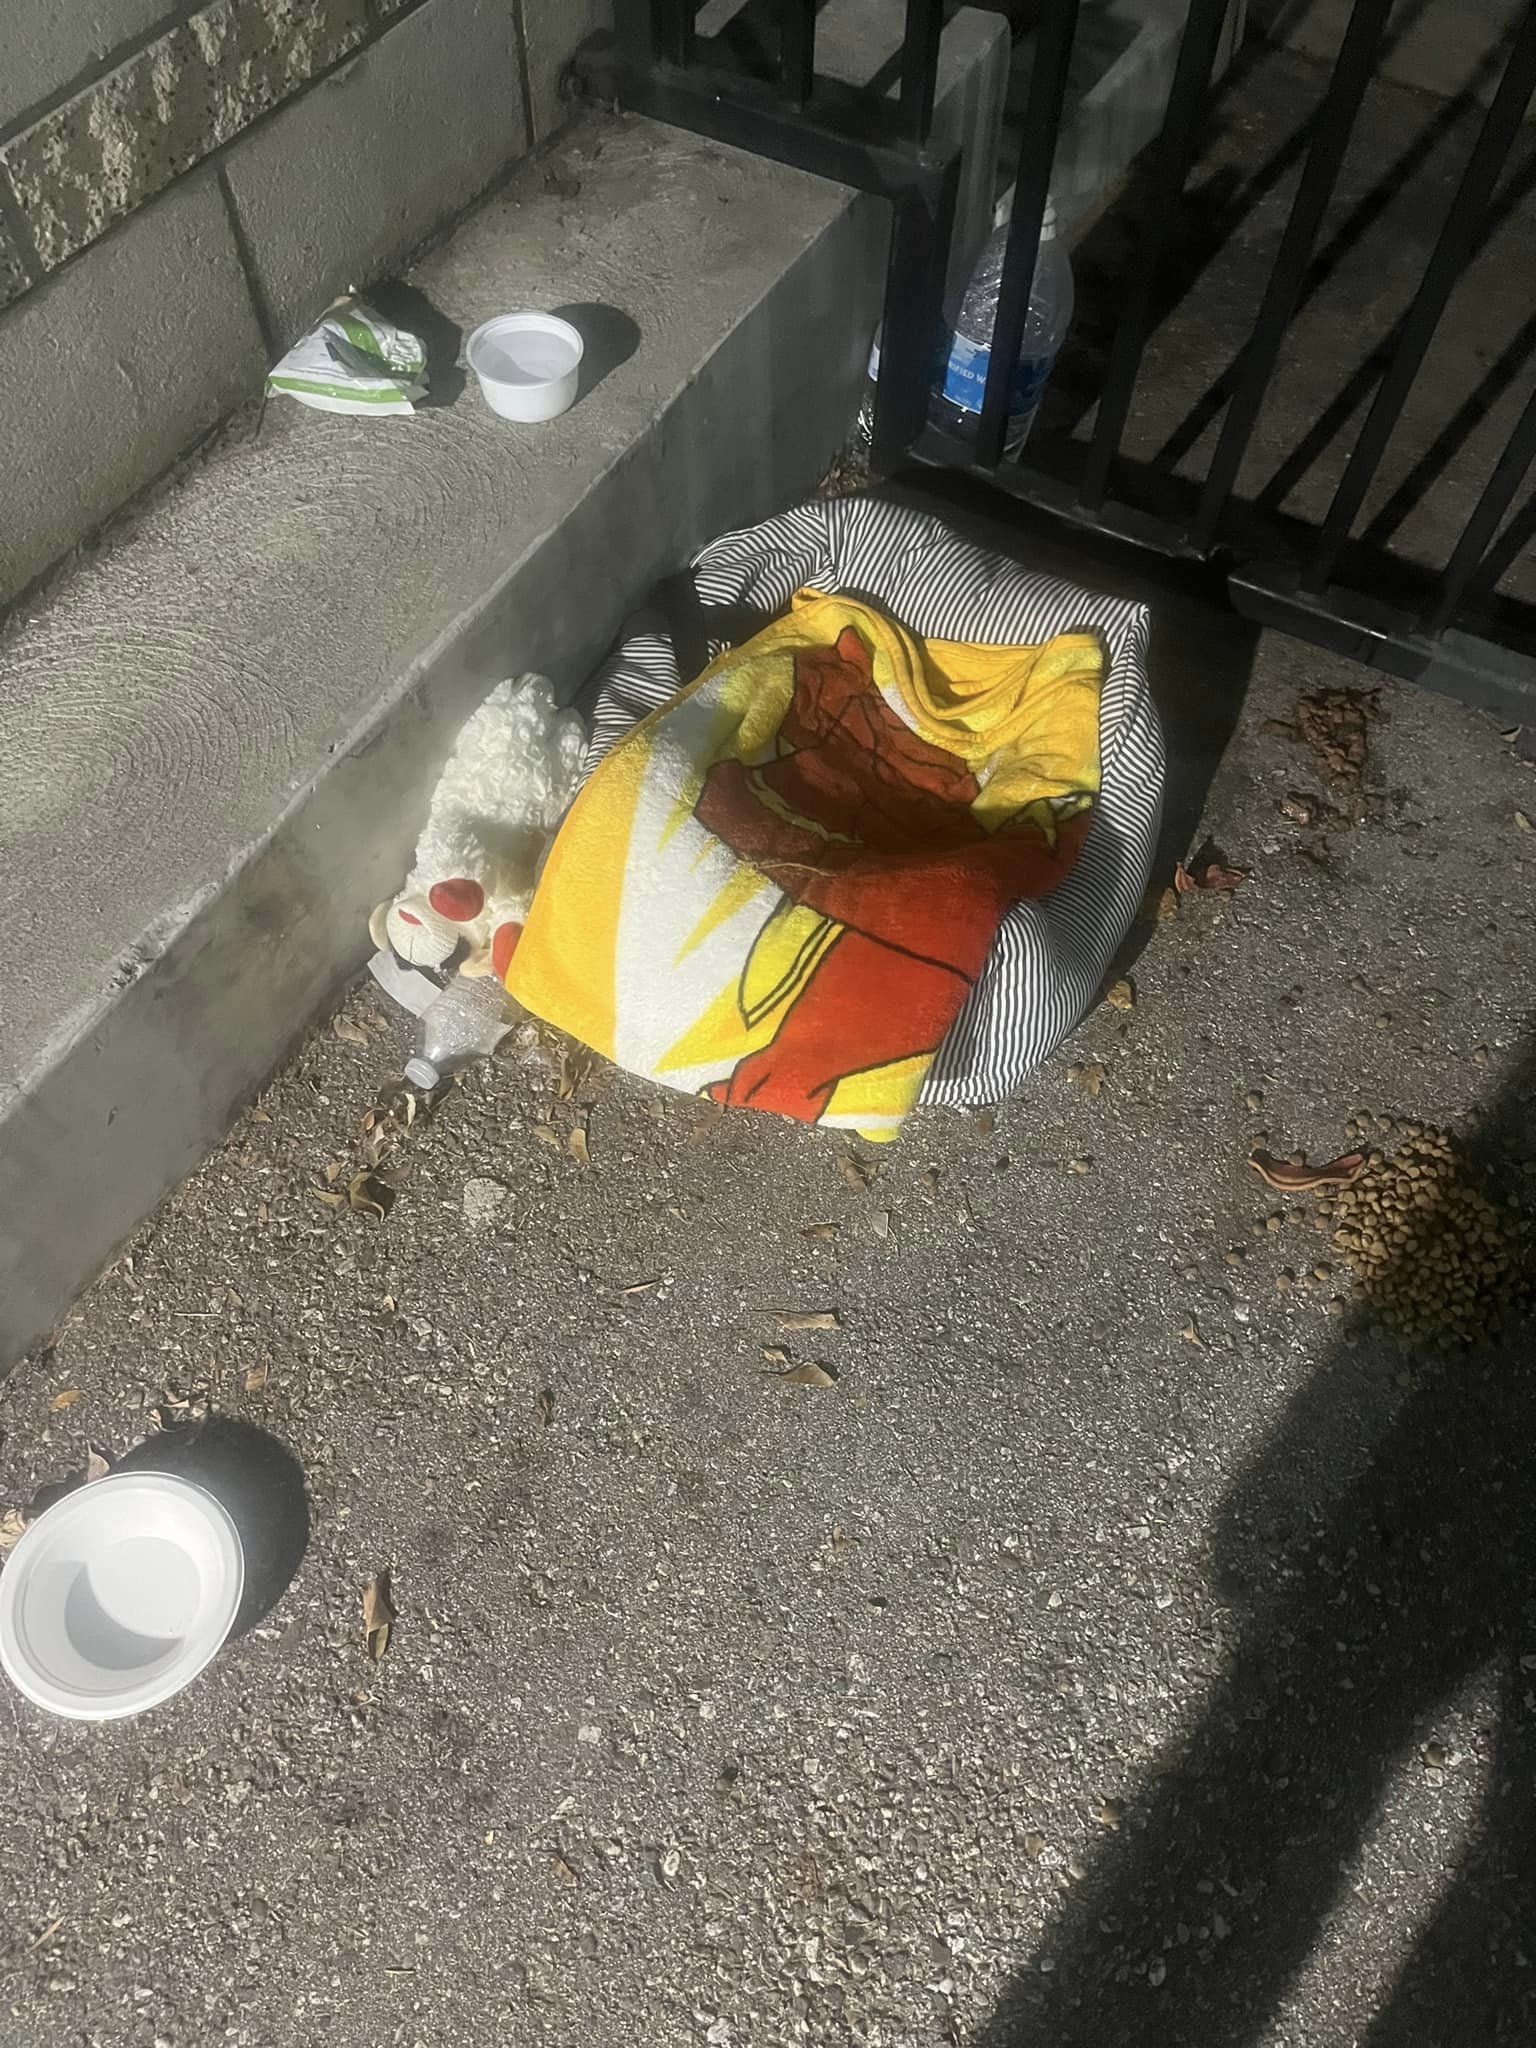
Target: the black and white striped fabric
(1049, 957)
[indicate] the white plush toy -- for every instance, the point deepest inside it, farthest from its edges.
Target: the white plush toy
(507, 782)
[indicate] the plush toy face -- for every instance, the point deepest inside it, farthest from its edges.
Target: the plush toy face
(451, 926)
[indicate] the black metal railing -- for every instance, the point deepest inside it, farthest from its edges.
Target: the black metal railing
(1447, 627)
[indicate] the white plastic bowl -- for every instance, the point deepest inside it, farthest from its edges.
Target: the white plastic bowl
(118, 1595)
(527, 364)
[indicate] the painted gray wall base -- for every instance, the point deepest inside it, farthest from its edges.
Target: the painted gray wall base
(217, 744)
(342, 181)
(109, 370)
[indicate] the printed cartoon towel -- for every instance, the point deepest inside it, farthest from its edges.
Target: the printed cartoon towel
(779, 889)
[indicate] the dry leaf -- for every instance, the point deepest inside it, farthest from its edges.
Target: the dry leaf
(984, 1122)
(67, 1399)
(565, 1087)
(856, 1172)
(933, 1177)
(366, 1191)
(641, 1286)
(1208, 869)
(576, 1145)
(547, 1135)
(810, 1319)
(1522, 821)
(880, 1223)
(777, 1355)
(821, 1233)
(1299, 1180)
(546, 1406)
(259, 1116)
(256, 1379)
(331, 1201)
(12, 1528)
(96, 1466)
(1089, 1076)
(348, 1032)
(564, 1874)
(379, 1615)
(1167, 906)
(810, 1374)
(333, 1169)
(1121, 995)
(1191, 1332)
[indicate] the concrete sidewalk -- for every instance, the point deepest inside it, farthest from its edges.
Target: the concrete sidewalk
(725, 1712)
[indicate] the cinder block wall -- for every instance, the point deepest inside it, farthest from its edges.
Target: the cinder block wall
(184, 188)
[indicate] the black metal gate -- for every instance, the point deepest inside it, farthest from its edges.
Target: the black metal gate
(1448, 627)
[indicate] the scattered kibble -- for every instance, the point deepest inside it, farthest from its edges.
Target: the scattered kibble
(1430, 1251)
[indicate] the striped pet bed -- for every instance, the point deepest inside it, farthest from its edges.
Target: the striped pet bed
(1050, 956)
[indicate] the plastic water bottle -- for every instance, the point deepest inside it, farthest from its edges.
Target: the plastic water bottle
(957, 401)
(864, 425)
(464, 1022)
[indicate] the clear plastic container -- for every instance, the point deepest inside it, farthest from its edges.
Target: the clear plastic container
(464, 1023)
(956, 403)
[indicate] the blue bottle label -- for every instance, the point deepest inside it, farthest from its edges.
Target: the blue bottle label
(965, 377)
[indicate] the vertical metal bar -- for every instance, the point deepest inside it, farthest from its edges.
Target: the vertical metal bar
(920, 66)
(634, 27)
(1441, 273)
(797, 50)
(1477, 535)
(913, 333)
(1170, 166)
(672, 30)
(1334, 124)
(1042, 126)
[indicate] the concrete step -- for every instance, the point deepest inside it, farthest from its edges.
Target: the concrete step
(217, 740)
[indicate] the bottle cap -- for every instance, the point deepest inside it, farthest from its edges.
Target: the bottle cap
(422, 1074)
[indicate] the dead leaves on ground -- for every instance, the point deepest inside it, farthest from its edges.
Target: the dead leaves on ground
(379, 1615)
(372, 1194)
(66, 1399)
(1087, 1075)
(1335, 726)
(1121, 994)
(576, 1145)
(859, 1174)
(1208, 869)
(808, 1373)
(1295, 1177)
(808, 1319)
(13, 1526)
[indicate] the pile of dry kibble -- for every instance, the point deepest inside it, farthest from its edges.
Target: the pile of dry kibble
(1433, 1254)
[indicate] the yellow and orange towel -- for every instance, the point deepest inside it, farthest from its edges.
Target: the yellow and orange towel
(779, 889)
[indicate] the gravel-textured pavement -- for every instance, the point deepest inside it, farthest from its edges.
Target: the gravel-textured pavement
(1123, 1650)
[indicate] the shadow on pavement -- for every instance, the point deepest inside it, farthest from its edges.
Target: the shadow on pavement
(1383, 1549)
(258, 1480)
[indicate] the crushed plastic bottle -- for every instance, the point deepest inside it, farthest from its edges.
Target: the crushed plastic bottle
(956, 403)
(465, 1022)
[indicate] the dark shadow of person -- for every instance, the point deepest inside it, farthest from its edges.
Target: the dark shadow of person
(261, 1484)
(1384, 1546)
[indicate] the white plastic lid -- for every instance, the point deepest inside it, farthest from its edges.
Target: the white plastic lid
(422, 1074)
(118, 1595)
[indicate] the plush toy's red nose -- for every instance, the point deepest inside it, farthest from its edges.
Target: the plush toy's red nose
(459, 899)
(503, 946)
